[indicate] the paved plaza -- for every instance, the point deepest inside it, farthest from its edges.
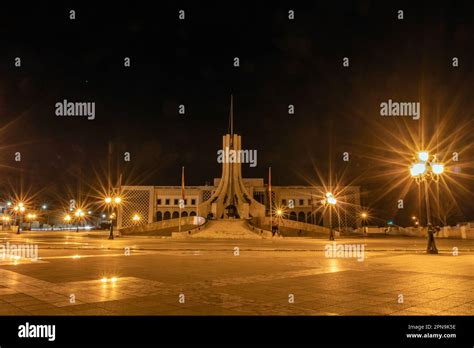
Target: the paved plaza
(86, 274)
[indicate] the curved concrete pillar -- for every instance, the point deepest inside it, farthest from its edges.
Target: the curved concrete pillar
(231, 189)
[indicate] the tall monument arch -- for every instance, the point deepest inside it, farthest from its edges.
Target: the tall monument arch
(231, 199)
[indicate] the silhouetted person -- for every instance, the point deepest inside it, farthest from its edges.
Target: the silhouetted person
(274, 230)
(431, 249)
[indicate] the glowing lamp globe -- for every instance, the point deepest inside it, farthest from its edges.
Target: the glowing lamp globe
(437, 168)
(418, 169)
(423, 156)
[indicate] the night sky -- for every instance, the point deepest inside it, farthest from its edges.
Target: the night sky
(190, 62)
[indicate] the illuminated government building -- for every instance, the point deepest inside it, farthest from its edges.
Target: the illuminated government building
(234, 197)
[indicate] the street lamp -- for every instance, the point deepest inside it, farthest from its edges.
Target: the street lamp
(423, 156)
(330, 201)
(67, 219)
(19, 209)
(427, 168)
(44, 207)
(279, 213)
(112, 203)
(5, 220)
(364, 216)
(136, 218)
(79, 214)
(30, 217)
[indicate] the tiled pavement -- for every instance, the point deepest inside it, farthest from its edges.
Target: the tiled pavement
(260, 281)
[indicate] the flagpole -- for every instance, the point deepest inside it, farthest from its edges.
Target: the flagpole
(182, 196)
(270, 196)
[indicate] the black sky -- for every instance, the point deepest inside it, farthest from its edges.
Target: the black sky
(191, 62)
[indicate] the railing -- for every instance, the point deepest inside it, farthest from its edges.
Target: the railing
(258, 230)
(304, 229)
(192, 230)
(160, 225)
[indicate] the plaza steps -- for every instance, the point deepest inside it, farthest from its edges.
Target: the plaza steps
(227, 229)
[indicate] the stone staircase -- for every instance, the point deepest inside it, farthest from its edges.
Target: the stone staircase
(227, 229)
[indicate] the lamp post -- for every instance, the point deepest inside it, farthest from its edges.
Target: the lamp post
(67, 220)
(30, 217)
(19, 209)
(44, 207)
(79, 214)
(279, 215)
(364, 216)
(425, 169)
(330, 201)
(5, 220)
(112, 203)
(136, 219)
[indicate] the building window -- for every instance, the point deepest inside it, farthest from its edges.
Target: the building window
(206, 195)
(185, 202)
(167, 201)
(176, 201)
(158, 201)
(301, 217)
(193, 202)
(283, 202)
(310, 201)
(301, 201)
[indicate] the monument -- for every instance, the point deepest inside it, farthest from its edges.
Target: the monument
(231, 200)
